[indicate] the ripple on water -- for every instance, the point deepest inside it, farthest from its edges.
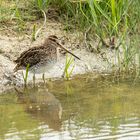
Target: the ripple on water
(90, 111)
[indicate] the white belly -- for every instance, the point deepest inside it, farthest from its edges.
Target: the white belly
(41, 68)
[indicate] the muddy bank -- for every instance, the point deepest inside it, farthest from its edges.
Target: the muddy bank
(11, 45)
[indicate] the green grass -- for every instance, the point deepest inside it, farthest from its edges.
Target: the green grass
(69, 67)
(108, 17)
(25, 77)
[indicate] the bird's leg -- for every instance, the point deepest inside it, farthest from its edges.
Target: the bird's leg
(63, 75)
(43, 77)
(57, 53)
(34, 79)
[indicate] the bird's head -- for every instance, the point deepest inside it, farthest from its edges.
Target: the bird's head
(51, 38)
(54, 41)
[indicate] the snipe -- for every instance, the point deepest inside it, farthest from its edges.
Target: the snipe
(39, 58)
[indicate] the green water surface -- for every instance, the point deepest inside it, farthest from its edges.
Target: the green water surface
(83, 108)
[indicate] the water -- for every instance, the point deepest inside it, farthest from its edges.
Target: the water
(87, 107)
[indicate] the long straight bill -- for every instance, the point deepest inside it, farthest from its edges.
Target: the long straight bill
(69, 51)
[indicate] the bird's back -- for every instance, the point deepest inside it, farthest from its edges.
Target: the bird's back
(39, 54)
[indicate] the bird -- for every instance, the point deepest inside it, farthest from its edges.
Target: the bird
(39, 58)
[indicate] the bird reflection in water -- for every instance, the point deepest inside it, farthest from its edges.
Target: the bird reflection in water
(43, 106)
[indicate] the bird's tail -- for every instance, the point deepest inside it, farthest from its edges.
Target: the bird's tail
(17, 67)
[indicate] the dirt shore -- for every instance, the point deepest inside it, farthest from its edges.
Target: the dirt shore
(12, 44)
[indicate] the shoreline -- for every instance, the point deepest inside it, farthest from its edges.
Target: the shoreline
(11, 46)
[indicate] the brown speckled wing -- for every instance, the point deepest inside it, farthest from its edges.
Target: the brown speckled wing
(25, 53)
(32, 57)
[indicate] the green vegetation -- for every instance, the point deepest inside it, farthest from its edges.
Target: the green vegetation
(68, 65)
(113, 23)
(25, 78)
